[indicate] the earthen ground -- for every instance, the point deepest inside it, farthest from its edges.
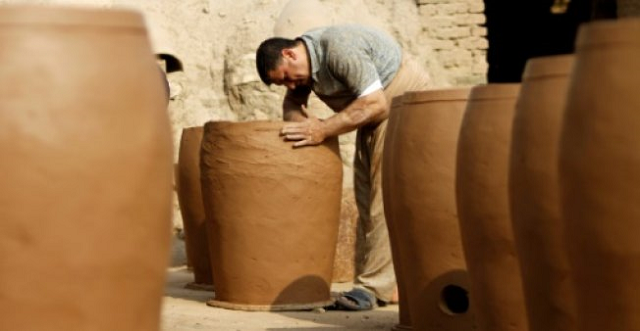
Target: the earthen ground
(185, 310)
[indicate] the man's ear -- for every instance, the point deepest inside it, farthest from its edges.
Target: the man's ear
(289, 53)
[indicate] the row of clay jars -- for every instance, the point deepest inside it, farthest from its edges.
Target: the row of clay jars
(272, 214)
(574, 182)
(86, 172)
(564, 117)
(418, 185)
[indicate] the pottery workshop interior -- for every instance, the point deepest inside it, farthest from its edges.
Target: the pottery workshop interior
(248, 165)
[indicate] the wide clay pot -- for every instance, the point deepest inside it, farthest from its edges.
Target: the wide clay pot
(274, 212)
(192, 209)
(600, 175)
(86, 171)
(423, 190)
(483, 208)
(388, 193)
(535, 197)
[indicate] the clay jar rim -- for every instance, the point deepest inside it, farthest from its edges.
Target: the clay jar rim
(548, 66)
(454, 94)
(606, 33)
(260, 125)
(494, 91)
(70, 16)
(396, 101)
(193, 129)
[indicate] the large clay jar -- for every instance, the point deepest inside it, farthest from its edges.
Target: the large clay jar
(534, 194)
(388, 197)
(86, 171)
(483, 208)
(424, 163)
(600, 175)
(192, 209)
(274, 213)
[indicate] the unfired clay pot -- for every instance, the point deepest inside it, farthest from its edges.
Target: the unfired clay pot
(534, 194)
(274, 213)
(388, 194)
(424, 162)
(600, 175)
(483, 208)
(192, 209)
(86, 172)
(299, 16)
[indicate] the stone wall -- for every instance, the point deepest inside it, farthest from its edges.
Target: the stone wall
(455, 31)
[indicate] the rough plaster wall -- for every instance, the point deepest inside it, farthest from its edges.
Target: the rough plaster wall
(216, 39)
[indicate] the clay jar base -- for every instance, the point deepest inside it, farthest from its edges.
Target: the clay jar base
(282, 307)
(199, 287)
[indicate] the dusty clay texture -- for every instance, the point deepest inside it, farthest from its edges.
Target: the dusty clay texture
(483, 208)
(191, 207)
(535, 194)
(423, 144)
(86, 176)
(599, 175)
(273, 215)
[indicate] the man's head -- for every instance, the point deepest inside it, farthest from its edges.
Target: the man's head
(283, 61)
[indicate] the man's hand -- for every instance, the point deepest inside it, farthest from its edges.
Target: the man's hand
(308, 132)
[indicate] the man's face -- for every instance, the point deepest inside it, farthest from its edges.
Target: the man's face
(291, 72)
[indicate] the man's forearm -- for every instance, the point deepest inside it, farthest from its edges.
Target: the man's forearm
(362, 111)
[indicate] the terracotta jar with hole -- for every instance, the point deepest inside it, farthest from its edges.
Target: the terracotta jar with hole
(273, 212)
(388, 186)
(192, 209)
(86, 171)
(483, 208)
(422, 161)
(600, 175)
(535, 197)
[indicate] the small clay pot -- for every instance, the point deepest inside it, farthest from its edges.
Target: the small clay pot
(274, 213)
(424, 144)
(86, 171)
(600, 175)
(388, 196)
(535, 197)
(192, 209)
(483, 208)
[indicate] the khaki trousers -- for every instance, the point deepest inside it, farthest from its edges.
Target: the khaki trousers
(377, 274)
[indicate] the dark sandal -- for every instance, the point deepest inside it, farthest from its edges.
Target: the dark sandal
(355, 300)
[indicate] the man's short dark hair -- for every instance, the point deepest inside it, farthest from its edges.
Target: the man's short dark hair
(269, 55)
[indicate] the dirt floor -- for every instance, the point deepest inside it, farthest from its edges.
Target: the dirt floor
(185, 310)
